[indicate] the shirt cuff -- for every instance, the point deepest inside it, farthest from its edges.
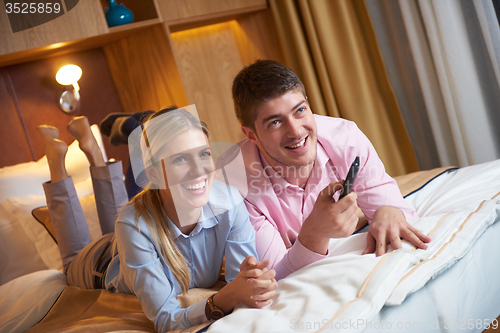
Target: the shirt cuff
(299, 256)
(410, 215)
(197, 313)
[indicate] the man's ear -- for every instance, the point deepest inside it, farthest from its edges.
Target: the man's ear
(249, 133)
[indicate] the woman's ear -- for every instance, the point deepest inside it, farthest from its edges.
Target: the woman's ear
(153, 175)
(156, 176)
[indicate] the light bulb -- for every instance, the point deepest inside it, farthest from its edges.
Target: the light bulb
(69, 74)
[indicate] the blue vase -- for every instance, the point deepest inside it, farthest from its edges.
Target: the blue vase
(118, 14)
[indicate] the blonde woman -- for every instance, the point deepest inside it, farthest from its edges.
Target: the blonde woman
(170, 237)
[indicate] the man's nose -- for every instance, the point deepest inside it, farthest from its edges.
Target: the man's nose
(294, 129)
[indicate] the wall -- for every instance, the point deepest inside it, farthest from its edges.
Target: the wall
(29, 95)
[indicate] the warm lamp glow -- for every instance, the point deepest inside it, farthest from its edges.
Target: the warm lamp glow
(69, 74)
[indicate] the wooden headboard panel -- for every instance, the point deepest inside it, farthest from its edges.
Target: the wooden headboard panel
(29, 95)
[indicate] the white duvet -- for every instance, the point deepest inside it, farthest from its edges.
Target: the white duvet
(346, 290)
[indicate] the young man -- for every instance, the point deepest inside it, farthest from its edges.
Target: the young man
(295, 161)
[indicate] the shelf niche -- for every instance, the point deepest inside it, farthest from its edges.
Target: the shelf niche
(143, 10)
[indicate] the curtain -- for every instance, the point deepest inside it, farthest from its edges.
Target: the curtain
(444, 58)
(332, 47)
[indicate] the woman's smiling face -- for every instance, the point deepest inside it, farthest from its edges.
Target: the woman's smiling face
(188, 167)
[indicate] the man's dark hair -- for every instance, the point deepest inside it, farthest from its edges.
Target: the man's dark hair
(258, 83)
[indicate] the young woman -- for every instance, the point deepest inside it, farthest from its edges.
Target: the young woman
(168, 239)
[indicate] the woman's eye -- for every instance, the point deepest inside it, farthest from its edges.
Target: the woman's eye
(300, 110)
(179, 159)
(206, 154)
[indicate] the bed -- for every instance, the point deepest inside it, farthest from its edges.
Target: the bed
(448, 288)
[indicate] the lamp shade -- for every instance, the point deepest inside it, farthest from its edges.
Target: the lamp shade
(68, 74)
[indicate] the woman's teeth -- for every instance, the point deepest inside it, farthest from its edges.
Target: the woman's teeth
(300, 144)
(195, 186)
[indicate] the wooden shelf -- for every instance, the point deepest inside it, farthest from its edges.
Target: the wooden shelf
(212, 18)
(85, 20)
(114, 34)
(135, 25)
(85, 27)
(179, 10)
(143, 10)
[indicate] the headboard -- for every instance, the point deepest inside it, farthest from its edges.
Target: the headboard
(29, 95)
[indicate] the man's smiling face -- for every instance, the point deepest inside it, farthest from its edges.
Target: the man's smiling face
(285, 131)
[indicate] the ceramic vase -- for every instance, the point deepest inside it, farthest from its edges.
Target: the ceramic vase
(118, 14)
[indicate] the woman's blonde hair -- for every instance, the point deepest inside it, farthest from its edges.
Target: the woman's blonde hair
(148, 203)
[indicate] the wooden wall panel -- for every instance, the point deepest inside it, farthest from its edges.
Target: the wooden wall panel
(172, 10)
(144, 71)
(208, 59)
(256, 38)
(14, 144)
(85, 20)
(37, 94)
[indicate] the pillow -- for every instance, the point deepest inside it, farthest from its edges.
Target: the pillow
(27, 178)
(41, 214)
(25, 246)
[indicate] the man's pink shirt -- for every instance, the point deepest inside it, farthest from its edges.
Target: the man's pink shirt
(277, 209)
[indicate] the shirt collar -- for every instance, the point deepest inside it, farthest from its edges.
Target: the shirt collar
(205, 221)
(321, 156)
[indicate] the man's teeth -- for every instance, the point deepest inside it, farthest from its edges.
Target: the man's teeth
(195, 186)
(300, 144)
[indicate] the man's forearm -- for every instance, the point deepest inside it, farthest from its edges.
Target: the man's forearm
(312, 240)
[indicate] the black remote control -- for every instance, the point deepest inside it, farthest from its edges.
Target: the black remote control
(351, 177)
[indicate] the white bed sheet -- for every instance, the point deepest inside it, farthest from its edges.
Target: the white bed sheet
(465, 298)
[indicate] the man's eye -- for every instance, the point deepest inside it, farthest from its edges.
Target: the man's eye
(274, 123)
(300, 110)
